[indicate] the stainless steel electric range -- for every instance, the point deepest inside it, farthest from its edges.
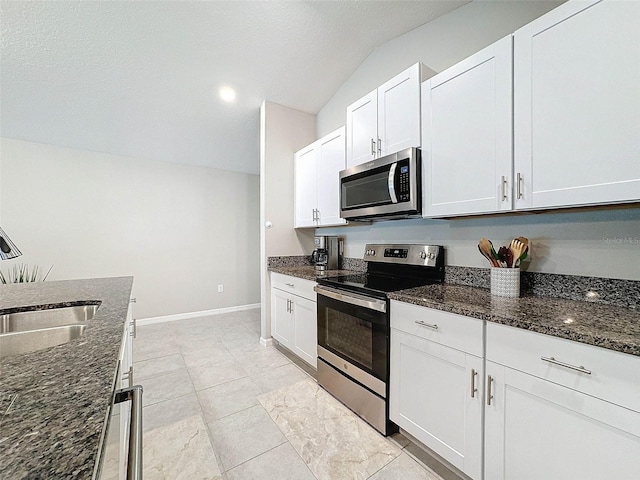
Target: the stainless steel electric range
(353, 325)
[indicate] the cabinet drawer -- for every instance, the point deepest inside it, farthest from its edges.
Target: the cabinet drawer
(456, 331)
(606, 374)
(294, 285)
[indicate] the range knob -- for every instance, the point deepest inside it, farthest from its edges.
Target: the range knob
(423, 255)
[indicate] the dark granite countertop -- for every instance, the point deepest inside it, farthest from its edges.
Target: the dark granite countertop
(608, 326)
(308, 272)
(53, 402)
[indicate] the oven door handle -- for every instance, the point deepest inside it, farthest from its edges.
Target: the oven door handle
(352, 298)
(392, 183)
(134, 462)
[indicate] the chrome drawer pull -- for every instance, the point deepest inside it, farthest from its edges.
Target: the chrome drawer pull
(290, 285)
(580, 369)
(428, 325)
(489, 394)
(473, 383)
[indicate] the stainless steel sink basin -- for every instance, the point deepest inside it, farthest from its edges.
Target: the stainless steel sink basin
(32, 340)
(34, 330)
(53, 317)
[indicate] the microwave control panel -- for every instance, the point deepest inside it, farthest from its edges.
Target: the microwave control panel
(404, 192)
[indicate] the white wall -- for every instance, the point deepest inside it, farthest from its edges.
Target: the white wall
(602, 243)
(179, 230)
(283, 131)
(438, 44)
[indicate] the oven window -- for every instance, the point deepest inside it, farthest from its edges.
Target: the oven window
(352, 337)
(371, 189)
(358, 335)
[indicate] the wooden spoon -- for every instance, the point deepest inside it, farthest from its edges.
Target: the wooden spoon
(486, 248)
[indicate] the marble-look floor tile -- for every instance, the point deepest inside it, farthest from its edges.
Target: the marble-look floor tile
(244, 435)
(404, 468)
(180, 451)
(197, 357)
(280, 463)
(228, 398)
(170, 411)
(166, 387)
(157, 366)
(278, 377)
(210, 375)
(148, 349)
(266, 358)
(331, 439)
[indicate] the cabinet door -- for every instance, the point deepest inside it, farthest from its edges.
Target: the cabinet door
(306, 330)
(362, 130)
(431, 397)
(331, 160)
(399, 112)
(306, 178)
(537, 429)
(282, 327)
(467, 125)
(577, 104)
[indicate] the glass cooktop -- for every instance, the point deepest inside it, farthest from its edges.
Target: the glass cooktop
(372, 284)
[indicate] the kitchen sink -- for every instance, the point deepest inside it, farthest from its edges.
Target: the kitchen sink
(42, 319)
(26, 332)
(28, 341)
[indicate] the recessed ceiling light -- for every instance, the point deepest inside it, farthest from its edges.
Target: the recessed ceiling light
(227, 94)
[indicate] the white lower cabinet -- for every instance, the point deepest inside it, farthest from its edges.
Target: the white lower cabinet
(538, 428)
(520, 406)
(293, 316)
(436, 392)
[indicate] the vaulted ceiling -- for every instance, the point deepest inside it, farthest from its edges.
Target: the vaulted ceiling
(141, 79)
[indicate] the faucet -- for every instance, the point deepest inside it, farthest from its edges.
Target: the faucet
(7, 247)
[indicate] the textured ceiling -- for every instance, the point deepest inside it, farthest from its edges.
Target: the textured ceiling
(140, 79)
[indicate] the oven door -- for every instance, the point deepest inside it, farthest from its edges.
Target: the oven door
(353, 336)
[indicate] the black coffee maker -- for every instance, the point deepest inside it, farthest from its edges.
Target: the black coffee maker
(327, 254)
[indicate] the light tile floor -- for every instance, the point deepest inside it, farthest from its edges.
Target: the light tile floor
(215, 407)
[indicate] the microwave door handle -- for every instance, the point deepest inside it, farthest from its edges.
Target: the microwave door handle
(392, 183)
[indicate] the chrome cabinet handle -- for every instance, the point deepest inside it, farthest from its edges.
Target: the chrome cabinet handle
(474, 374)
(317, 216)
(134, 332)
(428, 325)
(503, 185)
(379, 146)
(134, 463)
(519, 186)
(580, 369)
(489, 394)
(290, 285)
(373, 147)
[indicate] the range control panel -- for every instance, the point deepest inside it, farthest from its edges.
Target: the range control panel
(426, 255)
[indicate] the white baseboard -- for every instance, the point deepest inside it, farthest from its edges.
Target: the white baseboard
(266, 342)
(203, 313)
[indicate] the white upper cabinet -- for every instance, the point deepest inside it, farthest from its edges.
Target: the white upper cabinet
(399, 112)
(317, 183)
(386, 120)
(362, 130)
(306, 186)
(577, 106)
(466, 135)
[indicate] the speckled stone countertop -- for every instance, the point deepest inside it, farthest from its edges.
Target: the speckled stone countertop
(608, 326)
(53, 402)
(308, 272)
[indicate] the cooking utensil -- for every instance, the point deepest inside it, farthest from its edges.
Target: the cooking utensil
(486, 248)
(517, 248)
(504, 254)
(486, 256)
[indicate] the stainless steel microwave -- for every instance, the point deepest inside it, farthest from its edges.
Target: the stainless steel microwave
(388, 187)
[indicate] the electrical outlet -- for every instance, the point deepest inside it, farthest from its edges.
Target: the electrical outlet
(220, 288)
